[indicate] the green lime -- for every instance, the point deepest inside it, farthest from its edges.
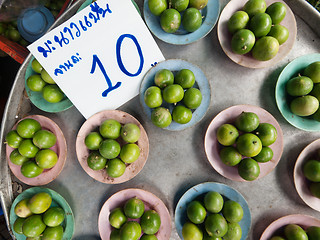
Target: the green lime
(173, 93)
(117, 218)
(115, 234)
(277, 238)
(28, 149)
(196, 212)
(33, 226)
(185, 78)
(248, 169)
(213, 202)
(115, 168)
(134, 208)
(267, 133)
(265, 155)
(14, 35)
(304, 106)
(191, 231)
(16, 158)
(109, 148)
(52, 93)
(277, 12)
(299, 86)
(95, 161)
(40, 202)
(207, 237)
(232, 211)
(311, 170)
(46, 158)
(36, 66)
(93, 140)
(216, 225)
(21, 209)
(163, 78)
(260, 24)
(130, 231)
(181, 114)
(242, 41)
(148, 237)
(237, 21)
(192, 98)
(253, 7)
(13, 139)
(316, 91)
(313, 71)
(161, 117)
(313, 232)
(234, 232)
(46, 77)
(150, 222)
(191, 19)
(54, 216)
(130, 152)
(170, 20)
(295, 232)
(153, 97)
(227, 134)
(249, 145)
(53, 233)
(179, 5)
(130, 133)
(157, 6)
(17, 226)
(199, 4)
(265, 48)
(279, 32)
(30, 169)
(230, 156)
(247, 121)
(110, 128)
(26, 128)
(315, 189)
(35, 83)
(44, 139)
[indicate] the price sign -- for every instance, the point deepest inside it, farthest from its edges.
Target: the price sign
(99, 56)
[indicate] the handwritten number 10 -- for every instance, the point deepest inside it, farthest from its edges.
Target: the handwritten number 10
(96, 61)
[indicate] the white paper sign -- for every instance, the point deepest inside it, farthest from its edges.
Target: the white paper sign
(99, 57)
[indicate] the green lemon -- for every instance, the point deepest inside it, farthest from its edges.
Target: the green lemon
(130, 152)
(237, 21)
(313, 232)
(130, 231)
(44, 139)
(52, 93)
(191, 231)
(267, 133)
(17, 226)
(134, 208)
(227, 134)
(53, 233)
(16, 158)
(33, 226)
(30, 169)
(115, 168)
(191, 19)
(40, 202)
(279, 32)
(232, 211)
(242, 41)
(46, 158)
(157, 6)
(163, 78)
(179, 5)
(234, 232)
(35, 83)
(213, 202)
(295, 232)
(110, 128)
(26, 128)
(314, 188)
(93, 140)
(192, 98)
(199, 4)
(265, 155)
(248, 169)
(28, 149)
(95, 161)
(196, 212)
(181, 114)
(130, 133)
(14, 35)
(311, 170)
(150, 222)
(249, 145)
(173, 93)
(115, 234)
(253, 7)
(170, 20)
(13, 139)
(299, 86)
(117, 218)
(21, 209)
(148, 237)
(109, 148)
(265, 48)
(46, 77)
(304, 106)
(54, 216)
(313, 71)
(277, 11)
(260, 24)
(230, 156)
(153, 97)
(161, 117)
(36, 66)
(216, 225)
(247, 121)
(185, 78)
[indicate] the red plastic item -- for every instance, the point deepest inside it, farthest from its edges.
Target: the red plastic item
(18, 52)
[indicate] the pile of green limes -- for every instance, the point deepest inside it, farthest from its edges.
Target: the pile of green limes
(245, 143)
(257, 27)
(32, 147)
(37, 219)
(304, 91)
(106, 150)
(9, 30)
(42, 82)
(294, 231)
(121, 219)
(173, 89)
(173, 13)
(311, 170)
(213, 218)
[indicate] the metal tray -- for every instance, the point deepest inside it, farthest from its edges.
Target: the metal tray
(177, 160)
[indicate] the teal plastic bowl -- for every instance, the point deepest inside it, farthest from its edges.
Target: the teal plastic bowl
(37, 99)
(57, 201)
(292, 70)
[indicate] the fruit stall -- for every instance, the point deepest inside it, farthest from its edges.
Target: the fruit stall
(219, 134)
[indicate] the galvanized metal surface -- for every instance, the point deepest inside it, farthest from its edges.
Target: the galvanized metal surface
(177, 160)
